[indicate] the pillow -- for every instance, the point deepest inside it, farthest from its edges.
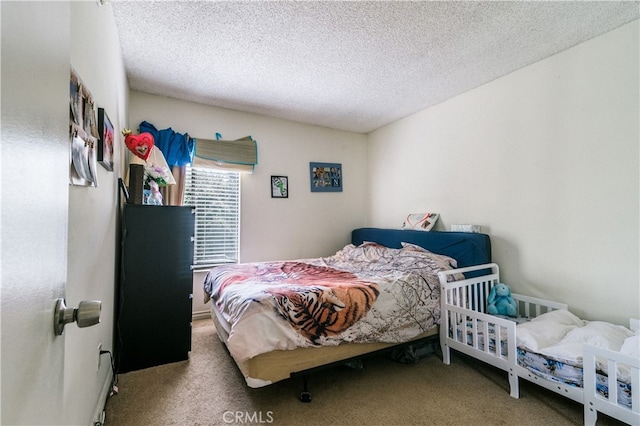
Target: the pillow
(631, 346)
(410, 247)
(370, 244)
(536, 335)
(560, 316)
(599, 333)
(367, 251)
(420, 221)
(413, 247)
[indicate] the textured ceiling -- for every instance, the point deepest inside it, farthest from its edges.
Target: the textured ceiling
(346, 65)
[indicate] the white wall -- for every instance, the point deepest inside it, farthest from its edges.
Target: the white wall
(304, 225)
(546, 160)
(93, 214)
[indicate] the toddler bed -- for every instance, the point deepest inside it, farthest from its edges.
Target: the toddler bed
(279, 319)
(591, 362)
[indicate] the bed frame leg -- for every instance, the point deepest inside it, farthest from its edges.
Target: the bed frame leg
(305, 395)
(446, 353)
(590, 414)
(513, 384)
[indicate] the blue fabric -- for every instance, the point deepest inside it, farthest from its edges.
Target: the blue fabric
(177, 148)
(467, 248)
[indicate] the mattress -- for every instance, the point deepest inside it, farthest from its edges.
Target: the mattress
(569, 374)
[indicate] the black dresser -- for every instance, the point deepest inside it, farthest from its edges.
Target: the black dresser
(153, 298)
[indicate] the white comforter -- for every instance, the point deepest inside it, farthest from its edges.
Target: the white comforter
(561, 335)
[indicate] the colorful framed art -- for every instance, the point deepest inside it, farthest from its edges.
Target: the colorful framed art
(325, 177)
(105, 144)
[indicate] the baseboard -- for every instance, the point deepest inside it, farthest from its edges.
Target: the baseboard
(198, 315)
(98, 417)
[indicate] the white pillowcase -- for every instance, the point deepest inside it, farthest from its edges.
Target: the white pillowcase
(536, 335)
(547, 329)
(561, 316)
(599, 333)
(631, 346)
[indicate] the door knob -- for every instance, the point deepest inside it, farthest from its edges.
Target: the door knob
(86, 314)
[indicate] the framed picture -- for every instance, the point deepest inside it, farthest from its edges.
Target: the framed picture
(279, 187)
(105, 144)
(325, 177)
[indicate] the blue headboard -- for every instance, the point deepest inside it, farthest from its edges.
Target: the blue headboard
(467, 248)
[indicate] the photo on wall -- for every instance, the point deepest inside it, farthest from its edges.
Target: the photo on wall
(325, 177)
(83, 134)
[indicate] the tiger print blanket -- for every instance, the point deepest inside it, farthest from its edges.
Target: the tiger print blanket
(363, 294)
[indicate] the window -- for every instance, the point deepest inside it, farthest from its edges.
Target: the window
(216, 196)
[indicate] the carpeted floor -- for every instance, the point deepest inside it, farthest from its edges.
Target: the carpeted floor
(209, 390)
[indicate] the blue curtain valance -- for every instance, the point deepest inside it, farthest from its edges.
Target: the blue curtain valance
(177, 148)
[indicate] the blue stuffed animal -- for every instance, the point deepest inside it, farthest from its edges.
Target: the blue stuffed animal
(500, 301)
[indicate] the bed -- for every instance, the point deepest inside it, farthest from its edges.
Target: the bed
(288, 318)
(592, 362)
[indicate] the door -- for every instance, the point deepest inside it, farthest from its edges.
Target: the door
(34, 181)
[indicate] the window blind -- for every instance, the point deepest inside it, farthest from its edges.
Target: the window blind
(216, 196)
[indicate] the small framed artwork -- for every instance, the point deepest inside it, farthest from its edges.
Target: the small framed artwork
(326, 177)
(279, 187)
(105, 144)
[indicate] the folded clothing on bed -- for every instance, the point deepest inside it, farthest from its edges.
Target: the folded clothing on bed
(369, 293)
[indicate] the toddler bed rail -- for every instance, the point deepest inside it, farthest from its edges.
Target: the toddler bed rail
(609, 404)
(466, 327)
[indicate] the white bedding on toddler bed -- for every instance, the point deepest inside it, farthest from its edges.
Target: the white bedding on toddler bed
(560, 335)
(551, 347)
